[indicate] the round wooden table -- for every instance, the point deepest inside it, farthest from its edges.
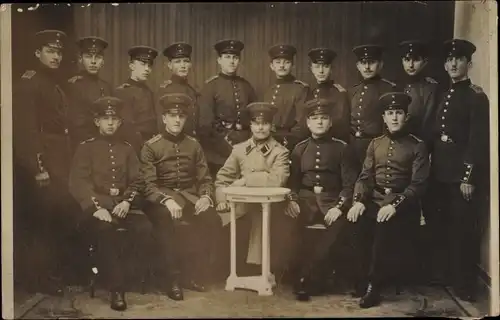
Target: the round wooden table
(264, 283)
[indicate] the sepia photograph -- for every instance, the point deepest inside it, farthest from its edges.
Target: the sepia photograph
(249, 159)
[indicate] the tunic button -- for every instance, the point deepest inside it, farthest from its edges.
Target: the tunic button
(317, 153)
(113, 170)
(445, 110)
(361, 100)
(362, 93)
(452, 90)
(316, 167)
(389, 155)
(360, 106)
(443, 125)
(392, 142)
(391, 148)
(274, 97)
(114, 177)
(278, 86)
(110, 150)
(317, 176)
(359, 114)
(365, 87)
(443, 118)
(317, 160)
(446, 103)
(449, 96)
(276, 91)
(359, 121)
(112, 157)
(112, 163)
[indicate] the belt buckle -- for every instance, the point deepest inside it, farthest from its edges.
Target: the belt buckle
(318, 189)
(176, 189)
(387, 191)
(358, 134)
(239, 126)
(444, 137)
(114, 192)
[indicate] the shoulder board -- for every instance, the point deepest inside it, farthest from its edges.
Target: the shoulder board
(166, 84)
(476, 88)
(88, 140)
(379, 137)
(74, 79)
(339, 87)
(125, 85)
(302, 142)
(154, 139)
(126, 142)
(338, 140)
(28, 74)
(416, 138)
(389, 82)
(191, 138)
(430, 80)
(212, 79)
(301, 82)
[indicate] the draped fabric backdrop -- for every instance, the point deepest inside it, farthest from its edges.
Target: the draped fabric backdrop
(337, 25)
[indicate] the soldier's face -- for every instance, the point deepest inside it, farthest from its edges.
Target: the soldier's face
(50, 57)
(180, 66)
(174, 122)
(92, 63)
(282, 67)
(413, 65)
(261, 129)
(319, 124)
(108, 124)
(369, 68)
(140, 70)
(228, 63)
(321, 71)
(395, 119)
(457, 67)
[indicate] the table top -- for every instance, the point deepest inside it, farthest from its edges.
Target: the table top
(255, 195)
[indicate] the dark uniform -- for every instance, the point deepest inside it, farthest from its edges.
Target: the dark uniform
(460, 156)
(174, 167)
(333, 92)
(178, 84)
(366, 122)
(83, 89)
(395, 173)
(42, 146)
(105, 172)
(289, 95)
(423, 91)
(140, 113)
(322, 177)
(222, 122)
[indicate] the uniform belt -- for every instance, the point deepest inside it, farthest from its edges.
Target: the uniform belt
(387, 190)
(312, 189)
(110, 191)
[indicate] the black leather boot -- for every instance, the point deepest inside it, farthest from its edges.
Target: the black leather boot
(371, 297)
(175, 292)
(302, 290)
(359, 290)
(118, 302)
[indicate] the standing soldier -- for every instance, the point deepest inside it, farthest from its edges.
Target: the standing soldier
(42, 149)
(326, 88)
(460, 171)
(86, 87)
(140, 113)
(423, 90)
(366, 122)
(179, 63)
(288, 95)
(222, 123)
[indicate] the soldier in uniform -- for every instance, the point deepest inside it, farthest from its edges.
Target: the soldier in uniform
(460, 171)
(222, 102)
(105, 181)
(260, 161)
(385, 211)
(366, 122)
(42, 149)
(179, 63)
(322, 180)
(179, 190)
(321, 67)
(423, 90)
(85, 87)
(140, 113)
(288, 94)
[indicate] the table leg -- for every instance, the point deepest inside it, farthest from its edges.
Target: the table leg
(230, 282)
(266, 252)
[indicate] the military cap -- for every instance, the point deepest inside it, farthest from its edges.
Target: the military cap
(107, 106)
(176, 103)
(282, 51)
(323, 55)
(178, 50)
(261, 109)
(143, 53)
(459, 48)
(229, 46)
(51, 38)
(394, 100)
(318, 106)
(414, 48)
(92, 44)
(368, 51)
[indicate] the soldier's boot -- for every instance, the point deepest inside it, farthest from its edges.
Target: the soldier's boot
(118, 302)
(302, 290)
(359, 289)
(371, 298)
(174, 291)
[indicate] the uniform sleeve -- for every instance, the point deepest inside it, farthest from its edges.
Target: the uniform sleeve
(134, 182)
(349, 174)
(149, 177)
(205, 183)
(229, 173)
(277, 175)
(206, 109)
(81, 185)
(295, 180)
(366, 180)
(430, 112)
(300, 129)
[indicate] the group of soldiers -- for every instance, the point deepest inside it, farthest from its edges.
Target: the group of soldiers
(364, 162)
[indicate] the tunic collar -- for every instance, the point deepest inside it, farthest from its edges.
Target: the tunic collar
(170, 137)
(287, 79)
(461, 84)
(265, 148)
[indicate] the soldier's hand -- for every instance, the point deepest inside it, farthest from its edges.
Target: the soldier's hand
(42, 179)
(467, 190)
(239, 183)
(121, 209)
(201, 205)
(103, 215)
(292, 209)
(223, 207)
(356, 211)
(174, 208)
(385, 213)
(332, 215)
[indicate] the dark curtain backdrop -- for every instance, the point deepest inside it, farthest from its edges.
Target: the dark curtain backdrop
(337, 25)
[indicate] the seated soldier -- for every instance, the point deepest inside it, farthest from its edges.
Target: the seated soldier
(322, 179)
(385, 213)
(105, 180)
(179, 190)
(260, 161)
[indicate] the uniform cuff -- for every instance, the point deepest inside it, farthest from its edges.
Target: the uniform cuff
(357, 197)
(467, 172)
(292, 196)
(131, 197)
(340, 203)
(162, 198)
(209, 199)
(398, 200)
(97, 206)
